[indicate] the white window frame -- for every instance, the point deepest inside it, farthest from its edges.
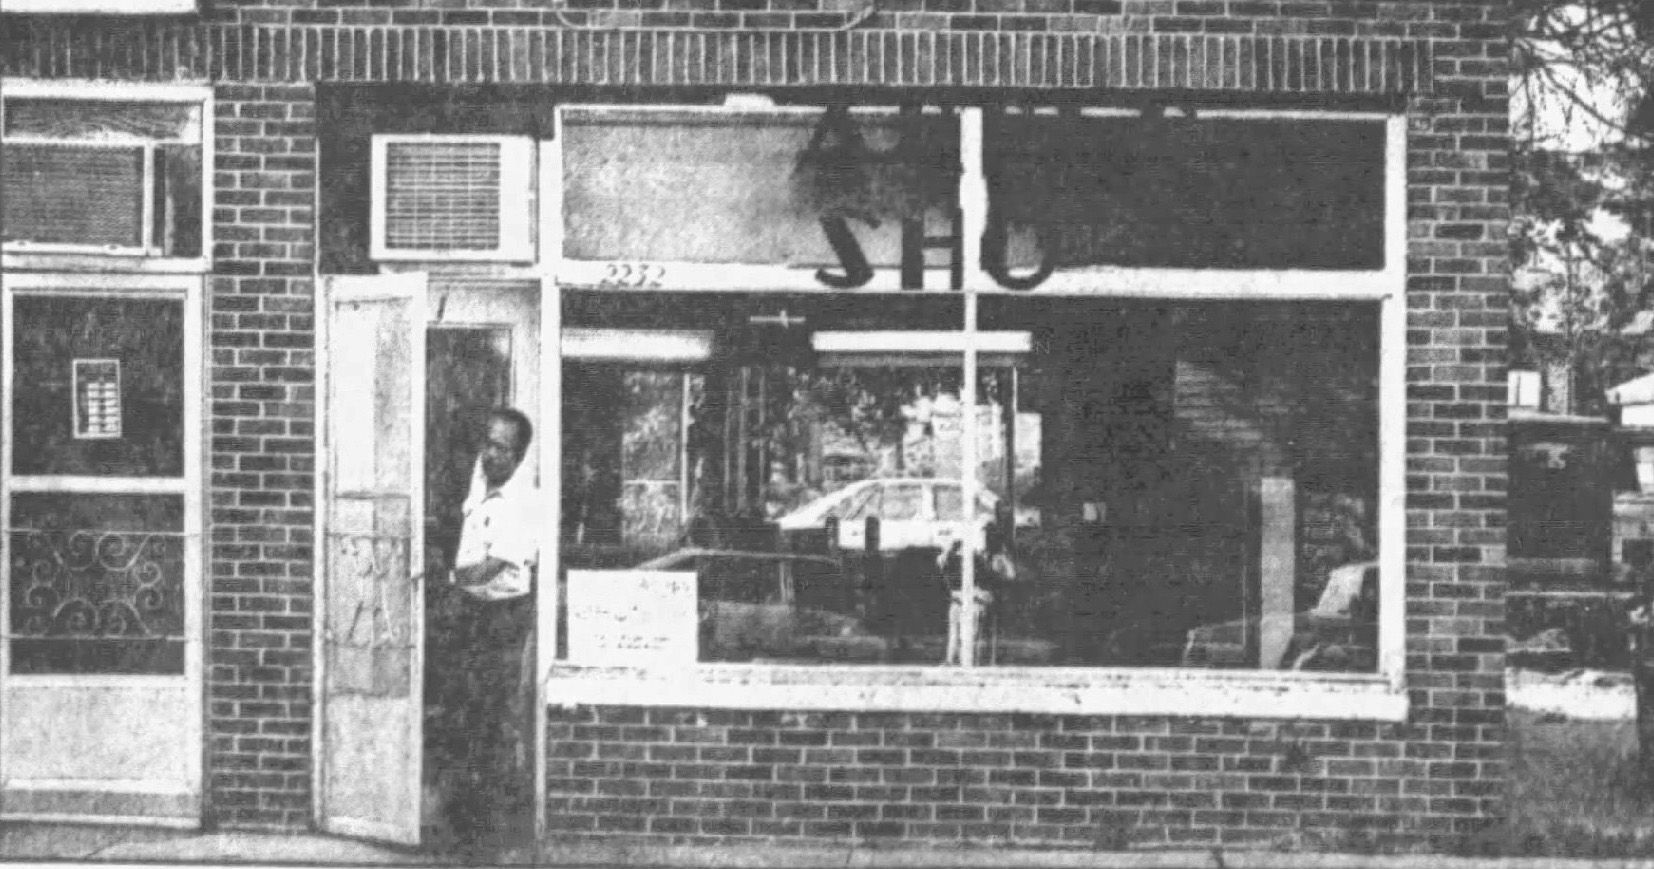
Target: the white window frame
(1379, 696)
(516, 212)
(142, 259)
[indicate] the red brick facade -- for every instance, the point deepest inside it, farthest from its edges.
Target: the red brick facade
(716, 775)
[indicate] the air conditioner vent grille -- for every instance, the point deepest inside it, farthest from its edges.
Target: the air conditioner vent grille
(443, 196)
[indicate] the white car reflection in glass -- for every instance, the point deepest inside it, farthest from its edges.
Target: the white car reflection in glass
(1339, 633)
(912, 512)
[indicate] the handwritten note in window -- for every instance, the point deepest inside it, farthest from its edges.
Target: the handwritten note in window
(632, 618)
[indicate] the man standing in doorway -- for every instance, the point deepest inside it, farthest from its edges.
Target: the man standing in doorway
(485, 614)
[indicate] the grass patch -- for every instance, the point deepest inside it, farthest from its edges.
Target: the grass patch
(1576, 790)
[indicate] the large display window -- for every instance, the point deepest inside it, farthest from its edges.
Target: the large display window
(1065, 419)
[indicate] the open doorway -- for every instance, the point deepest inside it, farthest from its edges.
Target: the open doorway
(480, 355)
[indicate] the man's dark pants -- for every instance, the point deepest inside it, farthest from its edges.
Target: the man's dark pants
(479, 723)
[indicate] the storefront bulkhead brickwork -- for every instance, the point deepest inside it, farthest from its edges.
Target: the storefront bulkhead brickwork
(703, 775)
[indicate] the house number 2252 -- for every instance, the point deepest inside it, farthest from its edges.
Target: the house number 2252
(641, 275)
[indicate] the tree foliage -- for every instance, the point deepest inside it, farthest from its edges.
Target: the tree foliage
(1582, 183)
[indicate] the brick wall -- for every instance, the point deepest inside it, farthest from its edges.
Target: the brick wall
(719, 775)
(1088, 781)
(1457, 295)
(262, 453)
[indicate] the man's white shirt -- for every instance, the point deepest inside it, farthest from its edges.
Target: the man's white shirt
(499, 524)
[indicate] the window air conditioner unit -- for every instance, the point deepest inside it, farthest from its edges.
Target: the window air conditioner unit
(453, 198)
(101, 177)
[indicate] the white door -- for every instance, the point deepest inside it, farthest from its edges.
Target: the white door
(371, 596)
(101, 575)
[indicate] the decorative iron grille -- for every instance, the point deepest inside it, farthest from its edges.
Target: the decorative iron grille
(97, 601)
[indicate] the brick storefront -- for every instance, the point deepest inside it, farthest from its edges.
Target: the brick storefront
(681, 774)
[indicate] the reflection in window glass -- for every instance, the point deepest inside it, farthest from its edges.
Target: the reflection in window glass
(1161, 485)
(1180, 193)
(97, 584)
(146, 336)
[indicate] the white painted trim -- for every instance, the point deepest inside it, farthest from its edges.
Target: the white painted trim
(99, 89)
(1392, 416)
(1098, 281)
(922, 341)
(1201, 112)
(1063, 691)
(517, 215)
(973, 196)
(209, 172)
(1215, 284)
(102, 7)
(32, 258)
(164, 821)
(1292, 115)
(458, 272)
(361, 829)
(195, 561)
(323, 465)
(637, 345)
(113, 485)
(160, 286)
(621, 112)
(146, 787)
(617, 275)
(551, 454)
(1392, 489)
(7, 375)
(100, 681)
(1395, 203)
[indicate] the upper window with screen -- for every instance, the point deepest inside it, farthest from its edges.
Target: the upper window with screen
(101, 176)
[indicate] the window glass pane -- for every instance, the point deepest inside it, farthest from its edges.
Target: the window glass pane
(1181, 193)
(98, 386)
(102, 120)
(1562, 480)
(1165, 485)
(902, 502)
(950, 502)
(1204, 487)
(97, 584)
(683, 187)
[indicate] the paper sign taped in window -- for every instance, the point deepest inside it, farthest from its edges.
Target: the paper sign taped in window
(97, 397)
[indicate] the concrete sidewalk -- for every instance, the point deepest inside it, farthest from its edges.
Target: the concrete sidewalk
(112, 846)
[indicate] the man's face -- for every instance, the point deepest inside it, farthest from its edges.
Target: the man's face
(500, 453)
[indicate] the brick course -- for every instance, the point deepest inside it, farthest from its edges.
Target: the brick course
(713, 775)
